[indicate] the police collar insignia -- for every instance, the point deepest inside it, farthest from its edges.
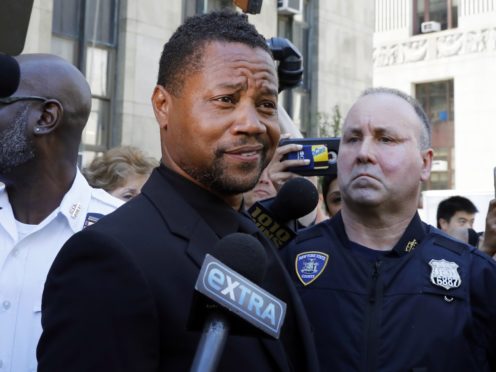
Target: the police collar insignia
(410, 246)
(309, 266)
(445, 274)
(74, 211)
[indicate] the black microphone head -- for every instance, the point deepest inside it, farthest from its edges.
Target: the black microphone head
(295, 199)
(243, 254)
(10, 75)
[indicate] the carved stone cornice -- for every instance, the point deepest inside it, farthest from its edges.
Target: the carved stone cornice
(445, 44)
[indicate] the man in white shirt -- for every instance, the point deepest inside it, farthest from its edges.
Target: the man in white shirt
(44, 198)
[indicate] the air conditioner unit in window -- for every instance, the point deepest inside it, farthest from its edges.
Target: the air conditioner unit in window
(289, 7)
(430, 26)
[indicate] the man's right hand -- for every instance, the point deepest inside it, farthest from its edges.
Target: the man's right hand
(278, 168)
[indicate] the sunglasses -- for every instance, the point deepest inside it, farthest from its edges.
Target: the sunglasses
(9, 100)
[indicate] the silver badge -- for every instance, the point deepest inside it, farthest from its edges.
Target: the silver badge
(445, 274)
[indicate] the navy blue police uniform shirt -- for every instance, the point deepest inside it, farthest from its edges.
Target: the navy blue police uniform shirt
(429, 304)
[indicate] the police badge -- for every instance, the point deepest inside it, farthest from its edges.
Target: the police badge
(309, 265)
(445, 274)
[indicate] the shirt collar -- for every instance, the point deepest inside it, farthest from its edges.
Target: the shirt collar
(411, 238)
(221, 217)
(74, 205)
(7, 220)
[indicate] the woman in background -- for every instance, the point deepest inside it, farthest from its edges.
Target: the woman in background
(120, 171)
(331, 194)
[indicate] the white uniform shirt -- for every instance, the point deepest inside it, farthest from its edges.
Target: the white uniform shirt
(26, 254)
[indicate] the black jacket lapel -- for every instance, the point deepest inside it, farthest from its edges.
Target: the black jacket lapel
(184, 221)
(180, 217)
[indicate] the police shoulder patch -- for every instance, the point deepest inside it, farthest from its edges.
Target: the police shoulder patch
(91, 218)
(310, 265)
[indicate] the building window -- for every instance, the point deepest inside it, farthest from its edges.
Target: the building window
(437, 100)
(436, 15)
(85, 33)
(297, 29)
(192, 7)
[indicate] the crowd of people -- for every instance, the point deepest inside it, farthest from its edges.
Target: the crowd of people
(90, 283)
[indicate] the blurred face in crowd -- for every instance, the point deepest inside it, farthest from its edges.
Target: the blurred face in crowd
(264, 189)
(380, 161)
(131, 187)
(221, 130)
(459, 219)
(333, 198)
(15, 146)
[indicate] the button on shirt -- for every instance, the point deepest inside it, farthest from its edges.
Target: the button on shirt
(26, 254)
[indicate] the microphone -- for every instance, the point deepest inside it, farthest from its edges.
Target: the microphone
(273, 217)
(10, 75)
(230, 280)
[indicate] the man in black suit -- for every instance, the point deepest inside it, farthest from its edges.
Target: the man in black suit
(119, 294)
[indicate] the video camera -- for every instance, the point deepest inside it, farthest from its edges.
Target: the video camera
(290, 69)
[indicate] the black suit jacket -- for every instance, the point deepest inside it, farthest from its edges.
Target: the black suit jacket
(119, 293)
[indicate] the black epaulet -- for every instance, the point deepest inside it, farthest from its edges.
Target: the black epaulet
(445, 241)
(485, 257)
(308, 233)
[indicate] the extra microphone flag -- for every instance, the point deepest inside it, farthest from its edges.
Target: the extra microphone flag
(241, 296)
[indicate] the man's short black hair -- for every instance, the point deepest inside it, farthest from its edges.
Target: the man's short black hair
(182, 54)
(448, 207)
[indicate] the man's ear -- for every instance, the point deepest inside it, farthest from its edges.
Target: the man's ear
(426, 164)
(443, 224)
(50, 117)
(161, 101)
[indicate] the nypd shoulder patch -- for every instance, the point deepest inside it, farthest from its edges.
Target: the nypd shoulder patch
(91, 218)
(310, 265)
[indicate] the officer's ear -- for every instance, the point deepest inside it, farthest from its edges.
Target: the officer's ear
(50, 116)
(427, 156)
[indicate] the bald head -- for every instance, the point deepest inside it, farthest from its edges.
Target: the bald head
(40, 133)
(426, 133)
(52, 77)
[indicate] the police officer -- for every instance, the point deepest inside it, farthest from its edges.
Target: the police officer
(44, 199)
(385, 291)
